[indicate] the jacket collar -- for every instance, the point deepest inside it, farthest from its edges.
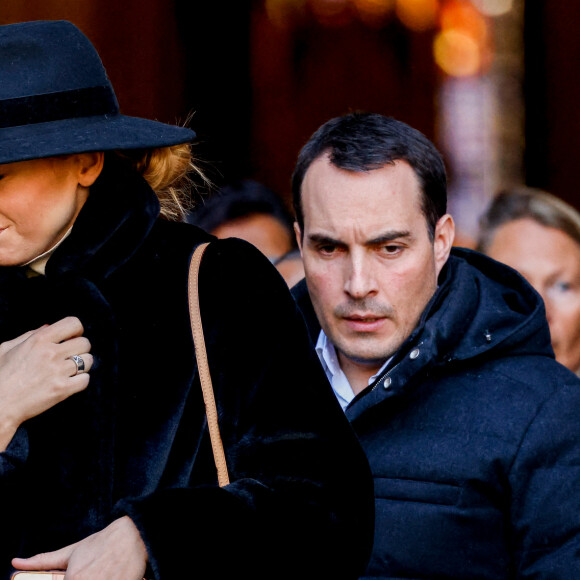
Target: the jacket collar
(119, 213)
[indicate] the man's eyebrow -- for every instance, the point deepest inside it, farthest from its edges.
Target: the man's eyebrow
(385, 237)
(389, 236)
(323, 239)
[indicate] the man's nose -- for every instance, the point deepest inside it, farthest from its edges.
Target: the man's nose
(360, 280)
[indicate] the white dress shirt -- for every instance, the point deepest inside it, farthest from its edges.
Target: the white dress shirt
(329, 359)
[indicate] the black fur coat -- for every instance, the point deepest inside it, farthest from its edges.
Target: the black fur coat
(135, 442)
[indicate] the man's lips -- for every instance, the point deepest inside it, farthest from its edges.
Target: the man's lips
(364, 322)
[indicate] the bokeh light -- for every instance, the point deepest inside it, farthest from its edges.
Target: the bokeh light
(418, 15)
(374, 8)
(331, 12)
(494, 7)
(457, 53)
(462, 46)
(462, 28)
(462, 16)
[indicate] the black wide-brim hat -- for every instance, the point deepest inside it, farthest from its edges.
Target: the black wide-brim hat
(56, 98)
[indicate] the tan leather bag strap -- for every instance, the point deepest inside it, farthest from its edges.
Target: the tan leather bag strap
(203, 368)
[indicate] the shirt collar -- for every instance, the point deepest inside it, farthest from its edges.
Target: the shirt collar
(329, 359)
(38, 264)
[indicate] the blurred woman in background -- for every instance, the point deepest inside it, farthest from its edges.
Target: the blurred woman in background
(538, 234)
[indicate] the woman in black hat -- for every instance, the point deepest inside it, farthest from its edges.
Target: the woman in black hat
(106, 468)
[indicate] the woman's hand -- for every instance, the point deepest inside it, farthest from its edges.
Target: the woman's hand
(115, 553)
(36, 372)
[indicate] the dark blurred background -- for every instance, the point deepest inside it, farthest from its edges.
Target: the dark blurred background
(492, 82)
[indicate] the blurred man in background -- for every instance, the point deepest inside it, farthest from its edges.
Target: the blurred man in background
(251, 211)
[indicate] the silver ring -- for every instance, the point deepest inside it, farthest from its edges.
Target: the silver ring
(78, 360)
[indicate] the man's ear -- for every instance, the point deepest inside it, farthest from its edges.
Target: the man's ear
(443, 240)
(90, 166)
(298, 233)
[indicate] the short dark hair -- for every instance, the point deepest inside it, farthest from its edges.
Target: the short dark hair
(366, 141)
(521, 202)
(240, 199)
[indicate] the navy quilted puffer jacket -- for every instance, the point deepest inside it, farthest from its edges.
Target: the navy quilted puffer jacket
(473, 435)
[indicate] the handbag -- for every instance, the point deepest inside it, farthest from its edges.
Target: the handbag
(203, 367)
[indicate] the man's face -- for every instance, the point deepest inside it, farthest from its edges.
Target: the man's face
(370, 265)
(264, 231)
(550, 260)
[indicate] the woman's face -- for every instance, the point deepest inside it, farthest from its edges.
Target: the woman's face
(39, 201)
(550, 260)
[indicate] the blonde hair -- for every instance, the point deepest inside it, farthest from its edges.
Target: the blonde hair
(527, 202)
(169, 171)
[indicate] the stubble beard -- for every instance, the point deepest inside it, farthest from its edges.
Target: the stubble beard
(360, 348)
(369, 356)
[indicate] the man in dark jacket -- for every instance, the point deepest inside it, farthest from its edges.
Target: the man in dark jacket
(441, 359)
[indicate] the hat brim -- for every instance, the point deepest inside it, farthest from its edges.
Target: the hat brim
(79, 135)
